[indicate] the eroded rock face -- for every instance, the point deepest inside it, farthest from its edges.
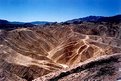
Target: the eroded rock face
(29, 53)
(104, 68)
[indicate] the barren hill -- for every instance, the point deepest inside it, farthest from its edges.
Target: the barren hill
(74, 52)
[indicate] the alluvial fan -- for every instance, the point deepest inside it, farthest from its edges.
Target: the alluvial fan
(75, 52)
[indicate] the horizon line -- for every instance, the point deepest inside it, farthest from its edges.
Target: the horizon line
(54, 21)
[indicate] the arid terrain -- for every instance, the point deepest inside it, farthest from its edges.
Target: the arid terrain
(85, 51)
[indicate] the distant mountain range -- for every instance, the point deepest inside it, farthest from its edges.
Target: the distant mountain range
(34, 22)
(4, 24)
(4, 21)
(15, 22)
(116, 18)
(7, 25)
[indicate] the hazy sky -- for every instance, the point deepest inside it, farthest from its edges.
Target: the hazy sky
(56, 10)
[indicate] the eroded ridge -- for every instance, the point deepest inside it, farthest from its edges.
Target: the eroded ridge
(104, 68)
(29, 53)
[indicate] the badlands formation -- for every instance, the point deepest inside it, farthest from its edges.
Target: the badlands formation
(73, 52)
